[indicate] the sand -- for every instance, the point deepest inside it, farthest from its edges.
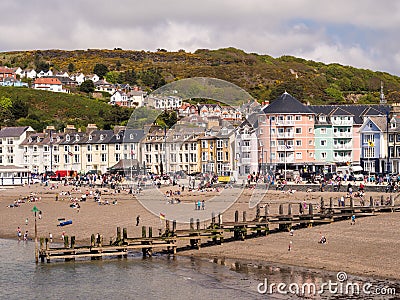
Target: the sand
(369, 248)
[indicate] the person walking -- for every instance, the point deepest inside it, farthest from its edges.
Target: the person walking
(19, 233)
(353, 220)
(202, 205)
(137, 220)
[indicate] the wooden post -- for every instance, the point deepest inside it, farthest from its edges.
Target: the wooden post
(244, 216)
(266, 208)
(212, 220)
(219, 220)
(310, 209)
(66, 243)
(382, 200)
(150, 232)
(391, 200)
(289, 209)
(281, 209)
(167, 227)
(73, 242)
(92, 240)
(258, 211)
(301, 209)
(322, 204)
(371, 202)
(143, 231)
(41, 241)
(236, 216)
(351, 202)
(198, 224)
(124, 235)
(118, 235)
(173, 226)
(330, 203)
(191, 224)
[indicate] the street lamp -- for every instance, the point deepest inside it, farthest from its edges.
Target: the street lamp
(35, 210)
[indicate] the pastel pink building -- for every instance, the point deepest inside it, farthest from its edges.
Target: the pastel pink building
(286, 135)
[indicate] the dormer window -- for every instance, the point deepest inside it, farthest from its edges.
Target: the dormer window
(131, 136)
(77, 138)
(67, 138)
(392, 125)
(322, 118)
(117, 136)
(90, 137)
(30, 140)
(101, 137)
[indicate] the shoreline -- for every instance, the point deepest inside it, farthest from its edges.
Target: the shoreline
(367, 249)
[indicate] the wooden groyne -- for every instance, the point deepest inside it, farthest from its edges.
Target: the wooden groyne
(289, 215)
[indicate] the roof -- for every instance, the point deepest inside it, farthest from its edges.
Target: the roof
(286, 104)
(47, 80)
(6, 70)
(13, 131)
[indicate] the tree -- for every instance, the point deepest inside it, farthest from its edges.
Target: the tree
(19, 109)
(87, 86)
(5, 110)
(71, 67)
(152, 78)
(101, 70)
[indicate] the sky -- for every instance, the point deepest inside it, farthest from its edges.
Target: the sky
(363, 34)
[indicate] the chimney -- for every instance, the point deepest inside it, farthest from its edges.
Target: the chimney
(118, 128)
(70, 129)
(48, 129)
(90, 128)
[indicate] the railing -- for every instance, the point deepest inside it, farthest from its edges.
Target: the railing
(286, 135)
(285, 148)
(348, 135)
(342, 147)
(342, 158)
(342, 122)
(284, 122)
(288, 160)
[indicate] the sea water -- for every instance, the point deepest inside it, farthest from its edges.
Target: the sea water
(159, 277)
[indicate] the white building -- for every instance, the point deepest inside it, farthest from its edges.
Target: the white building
(10, 139)
(49, 84)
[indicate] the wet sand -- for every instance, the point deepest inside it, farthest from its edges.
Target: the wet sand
(369, 248)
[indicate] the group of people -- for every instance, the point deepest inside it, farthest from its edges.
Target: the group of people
(199, 205)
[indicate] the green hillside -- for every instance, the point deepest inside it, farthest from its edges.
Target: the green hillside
(41, 108)
(262, 76)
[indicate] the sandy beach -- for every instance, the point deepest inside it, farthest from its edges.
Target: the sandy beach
(368, 248)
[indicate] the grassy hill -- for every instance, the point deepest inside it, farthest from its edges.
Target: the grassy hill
(262, 76)
(41, 108)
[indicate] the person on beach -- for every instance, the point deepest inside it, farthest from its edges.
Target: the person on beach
(291, 232)
(26, 235)
(353, 220)
(26, 221)
(202, 205)
(290, 246)
(19, 233)
(63, 235)
(137, 220)
(198, 204)
(40, 214)
(50, 237)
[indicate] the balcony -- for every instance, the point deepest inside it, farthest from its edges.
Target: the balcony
(285, 148)
(343, 135)
(288, 160)
(285, 135)
(284, 122)
(342, 122)
(342, 159)
(347, 146)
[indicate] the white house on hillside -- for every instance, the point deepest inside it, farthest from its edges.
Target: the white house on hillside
(49, 84)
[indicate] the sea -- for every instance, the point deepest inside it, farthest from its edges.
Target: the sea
(159, 277)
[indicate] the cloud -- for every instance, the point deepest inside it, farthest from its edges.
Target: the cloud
(348, 32)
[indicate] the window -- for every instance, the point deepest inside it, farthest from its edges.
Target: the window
(89, 148)
(272, 118)
(298, 130)
(397, 137)
(204, 144)
(219, 143)
(103, 157)
(10, 149)
(310, 130)
(148, 158)
(193, 146)
(273, 143)
(323, 130)
(66, 158)
(311, 154)
(89, 158)
(76, 148)
(310, 118)
(273, 155)
(260, 131)
(117, 157)
(323, 142)
(323, 155)
(298, 142)
(66, 148)
(310, 142)
(148, 147)
(369, 137)
(76, 158)
(219, 155)
(117, 147)
(156, 147)
(204, 156)
(103, 147)
(67, 138)
(46, 148)
(298, 118)
(10, 159)
(299, 155)
(97, 147)
(56, 158)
